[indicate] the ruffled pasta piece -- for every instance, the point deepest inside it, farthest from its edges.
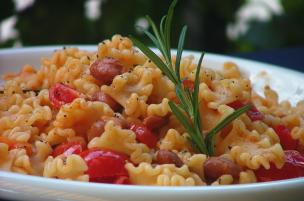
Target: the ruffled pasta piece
(58, 135)
(21, 133)
(162, 175)
(173, 140)
(80, 114)
(72, 70)
(187, 67)
(231, 70)
(292, 120)
(139, 81)
(72, 167)
(252, 156)
(161, 109)
(135, 106)
(251, 149)
(270, 105)
(26, 111)
(225, 91)
(23, 118)
(162, 86)
(3, 152)
(12, 95)
(16, 161)
(42, 151)
(247, 177)
(196, 164)
(211, 117)
(122, 140)
(225, 179)
(64, 66)
(122, 49)
(132, 89)
(297, 133)
(86, 85)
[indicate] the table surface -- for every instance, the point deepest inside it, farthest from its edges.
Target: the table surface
(292, 58)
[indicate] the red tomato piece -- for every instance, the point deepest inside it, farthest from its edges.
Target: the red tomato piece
(67, 148)
(122, 180)
(254, 114)
(236, 104)
(285, 138)
(61, 94)
(293, 168)
(155, 122)
(188, 84)
(144, 135)
(106, 166)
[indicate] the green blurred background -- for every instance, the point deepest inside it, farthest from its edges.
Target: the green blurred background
(221, 26)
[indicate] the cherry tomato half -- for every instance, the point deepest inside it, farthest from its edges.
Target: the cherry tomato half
(106, 166)
(12, 144)
(285, 138)
(188, 84)
(67, 148)
(254, 114)
(293, 168)
(61, 94)
(144, 135)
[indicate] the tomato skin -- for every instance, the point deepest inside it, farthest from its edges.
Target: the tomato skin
(106, 166)
(122, 180)
(254, 114)
(188, 84)
(153, 123)
(61, 94)
(293, 168)
(285, 138)
(12, 144)
(68, 148)
(144, 135)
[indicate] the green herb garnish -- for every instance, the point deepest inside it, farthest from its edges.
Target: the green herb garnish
(187, 111)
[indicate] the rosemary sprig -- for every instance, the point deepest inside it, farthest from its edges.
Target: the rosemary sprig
(187, 111)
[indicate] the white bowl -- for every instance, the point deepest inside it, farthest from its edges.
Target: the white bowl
(288, 83)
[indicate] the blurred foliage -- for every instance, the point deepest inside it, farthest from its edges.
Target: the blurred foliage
(281, 31)
(63, 22)
(52, 22)
(7, 9)
(49, 22)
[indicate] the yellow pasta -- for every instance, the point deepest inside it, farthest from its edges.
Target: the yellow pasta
(64, 120)
(123, 141)
(71, 167)
(80, 114)
(162, 175)
(121, 48)
(16, 161)
(174, 141)
(161, 109)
